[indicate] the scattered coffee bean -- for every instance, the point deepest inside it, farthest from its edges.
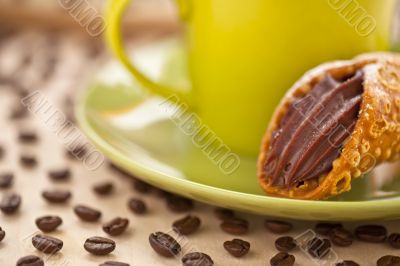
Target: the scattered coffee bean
(282, 259)
(77, 153)
(278, 227)
(388, 260)
(347, 263)
(18, 112)
(141, 186)
(394, 240)
(114, 263)
(223, 213)
(179, 204)
(187, 225)
(197, 259)
(325, 228)
(103, 188)
(48, 223)
(6, 180)
(47, 244)
(56, 196)
(10, 203)
(137, 206)
(318, 247)
(2, 234)
(341, 237)
(164, 244)
(60, 175)
(27, 137)
(285, 243)
(87, 214)
(371, 233)
(237, 247)
(116, 226)
(99, 246)
(235, 226)
(28, 161)
(30, 260)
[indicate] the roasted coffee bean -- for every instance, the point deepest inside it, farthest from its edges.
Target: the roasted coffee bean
(325, 228)
(99, 246)
(116, 226)
(48, 223)
(341, 237)
(56, 196)
(60, 175)
(235, 226)
(103, 188)
(77, 153)
(179, 204)
(197, 259)
(282, 259)
(347, 263)
(6, 180)
(2, 234)
(28, 160)
(18, 112)
(47, 244)
(394, 240)
(141, 186)
(371, 233)
(388, 260)
(187, 225)
(237, 247)
(10, 203)
(114, 263)
(27, 137)
(87, 214)
(164, 244)
(285, 243)
(30, 260)
(278, 227)
(137, 206)
(223, 213)
(318, 247)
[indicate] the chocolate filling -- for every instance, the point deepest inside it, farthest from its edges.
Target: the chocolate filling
(313, 131)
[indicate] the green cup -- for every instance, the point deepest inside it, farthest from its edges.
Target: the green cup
(244, 55)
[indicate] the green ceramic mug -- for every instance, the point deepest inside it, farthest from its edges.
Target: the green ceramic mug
(244, 55)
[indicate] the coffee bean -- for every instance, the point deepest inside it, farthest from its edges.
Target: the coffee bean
(47, 244)
(197, 259)
(282, 259)
(2, 152)
(87, 214)
(56, 196)
(116, 226)
(114, 263)
(30, 260)
(235, 226)
(141, 186)
(137, 206)
(371, 233)
(6, 180)
(285, 243)
(187, 225)
(18, 112)
(60, 175)
(77, 153)
(388, 260)
(341, 237)
(394, 240)
(318, 247)
(103, 188)
(278, 227)
(237, 247)
(179, 204)
(99, 246)
(2, 234)
(27, 137)
(224, 214)
(164, 244)
(10, 203)
(325, 228)
(28, 161)
(48, 223)
(347, 263)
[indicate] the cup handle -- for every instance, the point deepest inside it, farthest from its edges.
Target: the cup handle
(114, 12)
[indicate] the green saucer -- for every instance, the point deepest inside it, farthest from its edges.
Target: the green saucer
(134, 132)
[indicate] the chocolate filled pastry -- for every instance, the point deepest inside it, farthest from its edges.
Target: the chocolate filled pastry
(337, 123)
